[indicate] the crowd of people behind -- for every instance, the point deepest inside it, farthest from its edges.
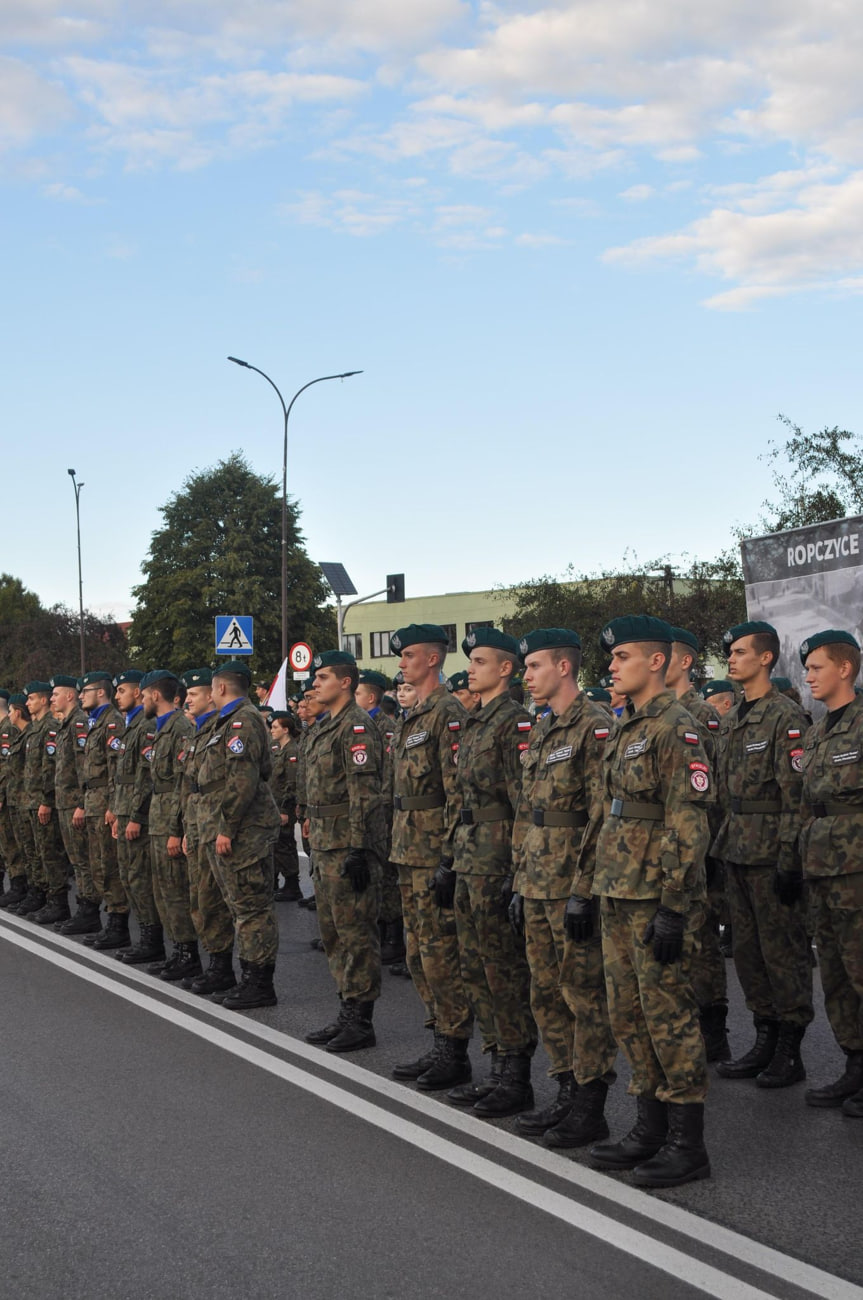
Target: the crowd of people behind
(572, 873)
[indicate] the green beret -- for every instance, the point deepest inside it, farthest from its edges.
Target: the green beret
(597, 693)
(491, 637)
(719, 686)
(635, 627)
(279, 715)
(197, 677)
(746, 629)
(371, 678)
(334, 659)
(549, 638)
(308, 685)
(606, 682)
(17, 701)
(685, 637)
(831, 637)
(417, 634)
(133, 676)
(96, 678)
(37, 688)
(236, 666)
(399, 679)
(4, 694)
(61, 679)
(157, 675)
(782, 683)
(458, 682)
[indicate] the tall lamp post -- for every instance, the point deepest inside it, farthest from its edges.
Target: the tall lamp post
(77, 486)
(286, 411)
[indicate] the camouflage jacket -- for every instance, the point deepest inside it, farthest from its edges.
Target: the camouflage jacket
(234, 797)
(104, 738)
(40, 737)
(344, 769)
(69, 760)
(657, 789)
(488, 785)
(11, 762)
(125, 797)
(561, 775)
(761, 757)
(708, 724)
(283, 778)
(166, 772)
(189, 789)
(302, 750)
(425, 757)
(703, 712)
(831, 838)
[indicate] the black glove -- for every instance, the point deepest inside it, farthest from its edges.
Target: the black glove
(788, 886)
(357, 870)
(578, 919)
(666, 933)
(442, 884)
(506, 893)
(515, 912)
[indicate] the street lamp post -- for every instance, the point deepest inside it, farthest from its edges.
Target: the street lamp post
(77, 487)
(286, 411)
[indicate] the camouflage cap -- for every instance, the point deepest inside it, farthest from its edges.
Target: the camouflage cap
(597, 693)
(549, 638)
(37, 688)
(491, 637)
(197, 677)
(458, 682)
(417, 634)
(334, 659)
(17, 700)
(719, 686)
(63, 679)
(370, 678)
(95, 678)
(746, 629)
(129, 675)
(235, 666)
(685, 637)
(833, 636)
(635, 627)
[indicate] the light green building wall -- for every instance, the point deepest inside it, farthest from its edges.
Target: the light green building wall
(455, 609)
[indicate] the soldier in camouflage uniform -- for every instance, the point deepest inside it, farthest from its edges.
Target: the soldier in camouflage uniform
(283, 782)
(38, 791)
(348, 835)
(761, 744)
(493, 965)
(370, 692)
(161, 691)
(238, 822)
(19, 716)
(559, 816)
(650, 877)
(13, 858)
(69, 795)
(459, 688)
(424, 785)
(832, 849)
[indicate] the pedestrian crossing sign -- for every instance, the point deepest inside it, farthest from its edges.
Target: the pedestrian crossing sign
(234, 634)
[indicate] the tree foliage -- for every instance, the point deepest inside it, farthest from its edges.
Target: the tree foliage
(219, 552)
(706, 597)
(35, 643)
(817, 477)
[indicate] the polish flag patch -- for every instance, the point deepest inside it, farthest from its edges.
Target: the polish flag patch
(524, 726)
(454, 726)
(690, 737)
(359, 729)
(601, 733)
(793, 733)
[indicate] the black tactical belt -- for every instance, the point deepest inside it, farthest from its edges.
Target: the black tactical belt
(97, 784)
(327, 809)
(496, 812)
(163, 787)
(124, 780)
(756, 806)
(835, 809)
(209, 787)
(417, 802)
(648, 812)
(571, 820)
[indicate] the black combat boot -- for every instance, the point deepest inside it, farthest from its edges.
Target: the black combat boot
(357, 1031)
(413, 1069)
(393, 943)
(759, 1055)
(585, 1122)
(219, 998)
(514, 1092)
(683, 1158)
(56, 909)
(16, 892)
(32, 901)
(853, 1106)
(644, 1139)
(219, 976)
(85, 919)
(290, 891)
(450, 1067)
(400, 969)
(536, 1122)
(309, 902)
(712, 1020)
(149, 948)
(726, 942)
(116, 933)
(468, 1094)
(786, 1066)
(833, 1094)
(254, 990)
(318, 1037)
(186, 961)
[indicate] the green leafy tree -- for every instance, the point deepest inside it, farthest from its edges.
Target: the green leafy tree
(41, 642)
(219, 552)
(16, 602)
(817, 477)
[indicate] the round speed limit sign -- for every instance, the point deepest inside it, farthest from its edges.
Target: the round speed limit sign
(300, 656)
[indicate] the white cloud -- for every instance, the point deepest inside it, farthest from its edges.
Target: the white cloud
(64, 193)
(30, 105)
(637, 193)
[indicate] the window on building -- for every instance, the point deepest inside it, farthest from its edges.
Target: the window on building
(381, 645)
(353, 643)
(450, 629)
(472, 627)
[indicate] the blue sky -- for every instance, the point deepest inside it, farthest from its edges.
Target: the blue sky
(584, 254)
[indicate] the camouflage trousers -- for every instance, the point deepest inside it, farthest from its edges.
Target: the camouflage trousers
(286, 860)
(107, 885)
(26, 845)
(248, 891)
(210, 914)
(52, 875)
(652, 1008)
(171, 891)
(77, 851)
(838, 910)
(391, 899)
(9, 850)
(135, 866)
(567, 995)
(709, 977)
(772, 953)
(432, 955)
(348, 923)
(494, 969)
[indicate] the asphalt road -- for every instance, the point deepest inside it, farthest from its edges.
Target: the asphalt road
(156, 1146)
